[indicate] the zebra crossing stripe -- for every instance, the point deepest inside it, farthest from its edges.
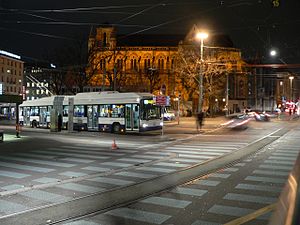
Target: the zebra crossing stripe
(272, 173)
(249, 198)
(253, 215)
(25, 167)
(202, 222)
(139, 215)
(189, 191)
(111, 181)
(169, 202)
(5, 173)
(45, 196)
(37, 161)
(258, 188)
(137, 175)
(266, 179)
(8, 207)
(276, 167)
(81, 188)
(82, 222)
(279, 162)
(233, 211)
(171, 164)
(156, 169)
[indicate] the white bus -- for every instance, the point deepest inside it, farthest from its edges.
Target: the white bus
(98, 111)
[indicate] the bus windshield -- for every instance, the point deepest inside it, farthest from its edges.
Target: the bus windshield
(149, 111)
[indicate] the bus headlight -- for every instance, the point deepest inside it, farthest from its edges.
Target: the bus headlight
(145, 125)
(161, 123)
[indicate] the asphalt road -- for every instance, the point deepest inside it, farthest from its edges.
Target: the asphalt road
(44, 174)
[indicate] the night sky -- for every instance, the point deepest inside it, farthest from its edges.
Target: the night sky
(32, 28)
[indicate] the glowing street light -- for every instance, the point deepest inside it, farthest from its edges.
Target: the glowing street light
(273, 52)
(201, 36)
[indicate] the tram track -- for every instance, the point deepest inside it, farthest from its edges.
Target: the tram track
(103, 201)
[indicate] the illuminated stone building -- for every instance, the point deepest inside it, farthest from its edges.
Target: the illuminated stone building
(149, 62)
(11, 73)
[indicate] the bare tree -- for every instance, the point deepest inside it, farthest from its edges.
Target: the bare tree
(153, 77)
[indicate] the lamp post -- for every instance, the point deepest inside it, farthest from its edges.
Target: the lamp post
(201, 36)
(291, 87)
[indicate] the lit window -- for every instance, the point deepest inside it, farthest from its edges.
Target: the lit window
(32, 84)
(37, 91)
(28, 84)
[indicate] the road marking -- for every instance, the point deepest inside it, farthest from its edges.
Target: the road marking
(111, 181)
(207, 182)
(95, 168)
(249, 198)
(266, 179)
(81, 222)
(25, 167)
(272, 173)
(137, 175)
(45, 196)
(72, 174)
(10, 207)
(5, 173)
(233, 211)
(139, 215)
(265, 188)
(189, 191)
(43, 162)
(81, 188)
(181, 204)
(252, 215)
(156, 169)
(171, 164)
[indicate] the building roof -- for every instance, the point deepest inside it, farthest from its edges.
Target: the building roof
(168, 40)
(139, 40)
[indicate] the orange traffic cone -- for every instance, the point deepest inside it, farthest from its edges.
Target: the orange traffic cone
(114, 145)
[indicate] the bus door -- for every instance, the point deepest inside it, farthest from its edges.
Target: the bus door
(43, 117)
(132, 118)
(92, 117)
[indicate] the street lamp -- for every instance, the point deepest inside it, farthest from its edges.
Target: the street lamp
(201, 36)
(291, 87)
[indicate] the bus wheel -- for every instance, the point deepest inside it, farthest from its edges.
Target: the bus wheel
(116, 128)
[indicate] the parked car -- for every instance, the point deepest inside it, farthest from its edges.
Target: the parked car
(169, 115)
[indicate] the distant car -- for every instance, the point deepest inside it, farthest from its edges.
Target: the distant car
(169, 116)
(237, 122)
(262, 116)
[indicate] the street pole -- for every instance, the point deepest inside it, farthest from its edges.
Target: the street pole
(227, 95)
(178, 108)
(201, 78)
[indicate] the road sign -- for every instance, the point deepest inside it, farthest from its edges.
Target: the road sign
(162, 100)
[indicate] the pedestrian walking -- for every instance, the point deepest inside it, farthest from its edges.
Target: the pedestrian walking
(200, 117)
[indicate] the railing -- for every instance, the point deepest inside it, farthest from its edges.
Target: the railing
(288, 207)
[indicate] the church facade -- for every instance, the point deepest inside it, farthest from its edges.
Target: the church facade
(169, 64)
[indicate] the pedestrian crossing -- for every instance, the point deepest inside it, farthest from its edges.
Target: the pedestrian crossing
(260, 184)
(57, 167)
(118, 169)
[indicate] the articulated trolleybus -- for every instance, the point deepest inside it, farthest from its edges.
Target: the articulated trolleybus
(97, 111)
